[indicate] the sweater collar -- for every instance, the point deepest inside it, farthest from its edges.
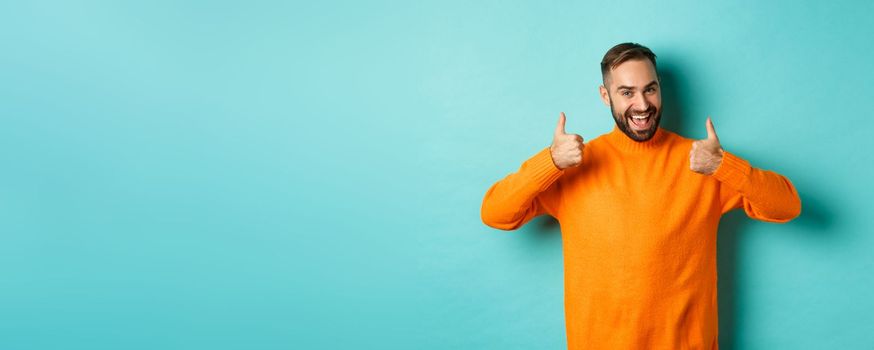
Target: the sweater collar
(625, 143)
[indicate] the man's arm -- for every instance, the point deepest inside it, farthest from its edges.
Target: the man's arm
(520, 196)
(764, 195)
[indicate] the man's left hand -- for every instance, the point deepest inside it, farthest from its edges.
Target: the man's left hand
(706, 155)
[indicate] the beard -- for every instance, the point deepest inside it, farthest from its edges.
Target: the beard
(642, 135)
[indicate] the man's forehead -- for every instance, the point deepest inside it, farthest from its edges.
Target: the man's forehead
(633, 73)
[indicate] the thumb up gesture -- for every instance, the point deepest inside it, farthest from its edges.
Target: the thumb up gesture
(706, 155)
(567, 149)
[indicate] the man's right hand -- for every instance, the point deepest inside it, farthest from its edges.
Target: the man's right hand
(567, 149)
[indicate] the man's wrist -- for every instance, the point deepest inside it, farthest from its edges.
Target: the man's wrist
(719, 157)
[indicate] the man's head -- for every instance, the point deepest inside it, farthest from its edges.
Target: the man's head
(631, 89)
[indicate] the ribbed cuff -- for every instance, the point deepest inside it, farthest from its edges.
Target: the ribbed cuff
(733, 171)
(542, 169)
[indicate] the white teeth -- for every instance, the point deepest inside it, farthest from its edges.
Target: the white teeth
(639, 116)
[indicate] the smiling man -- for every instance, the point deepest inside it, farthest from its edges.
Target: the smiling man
(639, 208)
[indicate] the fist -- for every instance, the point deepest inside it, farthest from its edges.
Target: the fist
(706, 155)
(567, 149)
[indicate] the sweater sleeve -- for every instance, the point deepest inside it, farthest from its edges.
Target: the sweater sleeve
(764, 195)
(523, 195)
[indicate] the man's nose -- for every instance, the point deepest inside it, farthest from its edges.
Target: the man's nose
(641, 103)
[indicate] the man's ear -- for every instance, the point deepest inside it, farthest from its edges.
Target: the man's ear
(604, 96)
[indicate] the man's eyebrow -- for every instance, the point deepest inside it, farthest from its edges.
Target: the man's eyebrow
(625, 87)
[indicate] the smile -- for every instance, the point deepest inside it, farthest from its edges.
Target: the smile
(641, 122)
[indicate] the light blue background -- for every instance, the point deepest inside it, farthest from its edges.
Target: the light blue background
(274, 175)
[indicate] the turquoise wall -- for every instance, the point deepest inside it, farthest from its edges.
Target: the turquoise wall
(275, 175)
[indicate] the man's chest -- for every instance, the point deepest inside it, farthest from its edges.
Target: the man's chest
(655, 189)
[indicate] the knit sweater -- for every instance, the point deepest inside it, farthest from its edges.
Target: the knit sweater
(638, 235)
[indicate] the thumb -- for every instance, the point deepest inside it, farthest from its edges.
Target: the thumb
(711, 132)
(559, 129)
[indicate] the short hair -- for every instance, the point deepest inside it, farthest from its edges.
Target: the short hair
(625, 52)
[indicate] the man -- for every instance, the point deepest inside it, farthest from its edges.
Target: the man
(638, 209)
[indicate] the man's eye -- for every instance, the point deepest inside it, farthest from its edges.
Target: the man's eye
(626, 93)
(650, 90)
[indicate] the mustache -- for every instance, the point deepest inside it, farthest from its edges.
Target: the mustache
(650, 110)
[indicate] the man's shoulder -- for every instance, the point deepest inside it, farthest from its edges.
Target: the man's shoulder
(671, 138)
(599, 139)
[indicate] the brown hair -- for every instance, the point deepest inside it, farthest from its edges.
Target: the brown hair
(625, 52)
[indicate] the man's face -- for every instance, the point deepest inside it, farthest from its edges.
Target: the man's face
(634, 96)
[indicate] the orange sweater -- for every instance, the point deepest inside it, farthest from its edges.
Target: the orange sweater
(638, 235)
